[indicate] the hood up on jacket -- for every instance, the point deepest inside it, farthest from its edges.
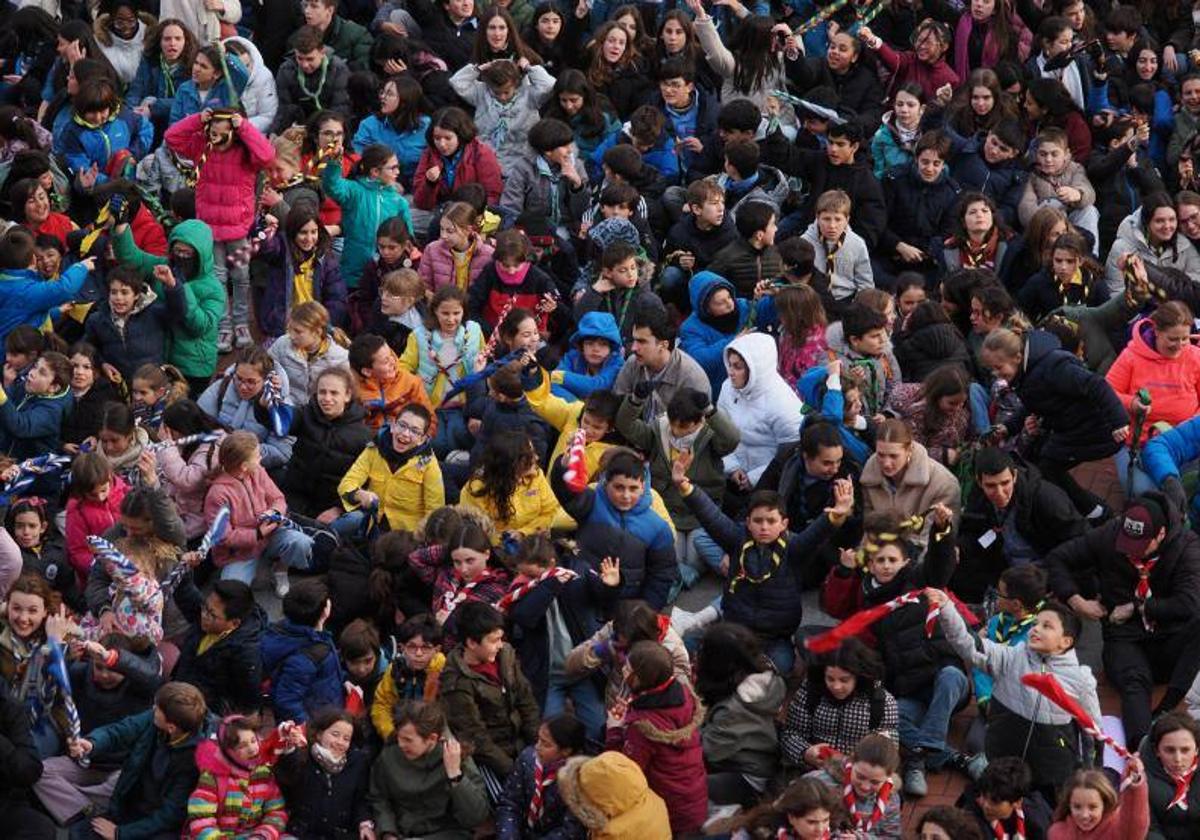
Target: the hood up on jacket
(199, 236)
(763, 692)
(762, 365)
(598, 325)
(703, 286)
(600, 789)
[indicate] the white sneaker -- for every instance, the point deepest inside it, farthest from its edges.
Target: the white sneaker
(685, 622)
(224, 340)
(282, 585)
(242, 337)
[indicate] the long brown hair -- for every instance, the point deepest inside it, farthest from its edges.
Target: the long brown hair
(599, 72)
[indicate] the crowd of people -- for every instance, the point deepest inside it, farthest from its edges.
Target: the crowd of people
(378, 378)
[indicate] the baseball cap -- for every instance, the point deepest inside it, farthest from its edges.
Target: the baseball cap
(1140, 523)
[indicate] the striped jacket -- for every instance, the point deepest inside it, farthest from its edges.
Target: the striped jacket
(233, 801)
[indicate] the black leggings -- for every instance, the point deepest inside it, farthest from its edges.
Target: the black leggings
(1058, 472)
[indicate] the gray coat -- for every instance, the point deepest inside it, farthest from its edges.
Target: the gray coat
(682, 371)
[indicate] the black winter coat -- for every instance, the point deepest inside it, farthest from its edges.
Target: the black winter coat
(142, 341)
(918, 212)
(702, 244)
(627, 89)
(229, 673)
(921, 350)
(84, 420)
(1119, 189)
(99, 707)
(1003, 183)
(20, 765)
(858, 89)
(1174, 823)
(1040, 295)
(325, 449)
(322, 805)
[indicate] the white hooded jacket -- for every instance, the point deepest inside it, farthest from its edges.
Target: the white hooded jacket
(766, 411)
(259, 98)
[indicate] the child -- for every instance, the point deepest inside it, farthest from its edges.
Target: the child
(311, 79)
(617, 291)
(32, 409)
(22, 346)
(593, 360)
(541, 590)
(647, 132)
(459, 254)
(151, 389)
(1048, 741)
(596, 415)
(868, 784)
(509, 486)
(487, 699)
(367, 201)
(93, 506)
(746, 181)
(802, 324)
(400, 310)
(865, 331)
(207, 85)
(399, 122)
(42, 550)
(242, 485)
(442, 350)
(396, 477)
(422, 785)
(1020, 595)
(531, 806)
(310, 347)
(718, 316)
(659, 728)
(235, 400)
(129, 327)
(504, 407)
(608, 794)
(991, 165)
(551, 184)
(1058, 181)
(1073, 278)
(325, 777)
(752, 256)
(300, 268)
(122, 441)
(138, 598)
(841, 254)
(185, 470)
(101, 128)
(237, 793)
(694, 241)
(286, 185)
(1004, 804)
(910, 293)
(394, 250)
(1088, 807)
(463, 570)
(511, 281)
(413, 674)
(506, 104)
(383, 386)
(454, 155)
(804, 811)
(25, 298)
(299, 656)
(229, 152)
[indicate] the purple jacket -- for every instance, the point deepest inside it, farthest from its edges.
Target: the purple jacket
(328, 287)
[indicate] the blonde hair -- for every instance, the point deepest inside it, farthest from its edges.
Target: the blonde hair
(166, 378)
(312, 315)
(403, 282)
(1003, 342)
(462, 215)
(834, 201)
(1088, 780)
(236, 449)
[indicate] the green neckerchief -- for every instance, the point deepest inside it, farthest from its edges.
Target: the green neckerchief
(314, 95)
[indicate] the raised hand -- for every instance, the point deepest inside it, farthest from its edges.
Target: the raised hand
(452, 757)
(610, 571)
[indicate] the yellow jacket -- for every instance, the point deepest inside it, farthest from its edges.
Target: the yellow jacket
(610, 796)
(534, 505)
(406, 496)
(417, 687)
(564, 416)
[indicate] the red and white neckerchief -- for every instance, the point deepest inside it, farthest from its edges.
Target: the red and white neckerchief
(861, 620)
(865, 822)
(520, 590)
(1001, 834)
(451, 599)
(542, 779)
(1182, 785)
(1141, 592)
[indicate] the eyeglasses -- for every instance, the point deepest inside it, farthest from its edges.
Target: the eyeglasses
(416, 647)
(405, 429)
(1190, 219)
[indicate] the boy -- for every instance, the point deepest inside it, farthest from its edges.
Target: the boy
(746, 179)
(299, 656)
(384, 387)
(310, 80)
(840, 253)
(992, 166)
(1004, 804)
(414, 673)
(1122, 172)
(695, 239)
(220, 653)
(619, 213)
(550, 184)
(159, 771)
(766, 560)
(348, 40)
(504, 408)
(693, 427)
(401, 295)
(592, 361)
(624, 164)
(1187, 118)
(596, 415)
(1058, 181)
(1020, 722)
(751, 257)
(32, 409)
(865, 331)
(615, 519)
(487, 699)
(25, 298)
(1020, 596)
(690, 111)
(617, 291)
(366, 663)
(647, 132)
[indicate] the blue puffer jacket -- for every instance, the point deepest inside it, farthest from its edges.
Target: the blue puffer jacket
(1164, 455)
(662, 157)
(407, 145)
(302, 664)
(577, 383)
(187, 97)
(812, 390)
(704, 342)
(151, 82)
(31, 425)
(83, 144)
(26, 298)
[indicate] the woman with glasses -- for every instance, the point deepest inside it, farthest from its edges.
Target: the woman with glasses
(234, 400)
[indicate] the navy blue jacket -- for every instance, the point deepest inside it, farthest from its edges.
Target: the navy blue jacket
(143, 341)
(325, 805)
(1004, 184)
(31, 425)
(918, 212)
(303, 666)
(229, 672)
(556, 823)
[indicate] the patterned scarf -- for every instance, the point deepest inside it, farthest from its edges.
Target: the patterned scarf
(1002, 834)
(543, 777)
(1182, 784)
(1008, 628)
(452, 598)
(864, 823)
(831, 250)
(520, 590)
(982, 255)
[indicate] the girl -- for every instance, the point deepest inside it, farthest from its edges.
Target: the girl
(394, 251)
(462, 569)
(74, 43)
(286, 185)
(31, 208)
(330, 435)
(310, 347)
(326, 128)
(165, 67)
(129, 327)
(506, 104)
(137, 598)
(441, 351)
(244, 487)
(32, 616)
(500, 41)
(936, 410)
(868, 784)
(91, 390)
(979, 105)
(236, 794)
(531, 808)
(590, 115)
(802, 331)
(615, 68)
(151, 390)
(804, 811)
(510, 487)
(989, 31)
(300, 269)
(399, 124)
(1073, 278)
(423, 785)
(894, 143)
(372, 196)
(910, 293)
(458, 256)
(947, 823)
(677, 39)
(981, 239)
(902, 478)
(454, 155)
(759, 68)
(42, 550)
(924, 64)
(629, 16)
(512, 281)
(122, 442)
(185, 470)
(840, 702)
(324, 778)
(545, 36)
(234, 400)
(93, 506)
(208, 88)
(1088, 807)
(1170, 757)
(1152, 233)
(742, 696)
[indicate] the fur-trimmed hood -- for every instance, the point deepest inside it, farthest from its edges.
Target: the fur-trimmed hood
(659, 711)
(610, 796)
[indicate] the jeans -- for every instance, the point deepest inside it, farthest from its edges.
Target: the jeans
(351, 525)
(1142, 482)
(673, 277)
(589, 706)
(451, 432)
(925, 716)
(979, 401)
(290, 545)
(782, 653)
(237, 313)
(696, 550)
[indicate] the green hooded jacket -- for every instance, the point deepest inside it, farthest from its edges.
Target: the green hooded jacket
(196, 306)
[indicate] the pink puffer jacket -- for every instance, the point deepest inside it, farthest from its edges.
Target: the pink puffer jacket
(225, 197)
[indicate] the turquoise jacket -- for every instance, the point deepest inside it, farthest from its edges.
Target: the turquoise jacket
(366, 204)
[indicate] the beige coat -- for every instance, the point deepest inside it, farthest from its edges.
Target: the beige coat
(924, 484)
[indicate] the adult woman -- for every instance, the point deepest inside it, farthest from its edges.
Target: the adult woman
(324, 780)
(1075, 410)
(937, 412)
(91, 390)
(1049, 105)
(989, 31)
(185, 470)
(32, 617)
(980, 239)
(902, 479)
(617, 70)
(1151, 232)
(591, 116)
(979, 105)
(1170, 756)
(453, 155)
(501, 40)
(760, 403)
(399, 124)
(1160, 360)
(31, 208)
(166, 64)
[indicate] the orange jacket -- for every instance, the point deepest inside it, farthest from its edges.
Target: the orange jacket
(1174, 384)
(384, 401)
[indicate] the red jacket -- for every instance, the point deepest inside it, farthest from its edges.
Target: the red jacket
(1131, 818)
(148, 234)
(58, 225)
(1174, 384)
(478, 164)
(89, 518)
(661, 733)
(906, 67)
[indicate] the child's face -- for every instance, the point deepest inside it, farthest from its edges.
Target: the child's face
(1047, 635)
(720, 303)
(246, 749)
(394, 305)
(886, 563)
(101, 491)
(308, 236)
(616, 211)
(83, 372)
(907, 109)
(337, 737)
(839, 682)
(996, 151)
(811, 825)
(303, 337)
(595, 351)
(930, 165)
(220, 133)
(468, 563)
(951, 403)
(383, 364)
(853, 404)
(1064, 264)
(681, 429)
(362, 667)
(408, 432)
(571, 103)
(712, 212)
(1190, 95)
(982, 321)
(28, 529)
(867, 778)
(1051, 158)
(445, 142)
(113, 443)
(1002, 367)
(766, 525)
(121, 298)
(418, 653)
(624, 491)
(1087, 808)
(412, 743)
(994, 809)
(840, 151)
(458, 238)
(487, 648)
(527, 336)
(203, 73)
(280, 172)
(388, 173)
(504, 93)
(871, 343)
(832, 225)
(449, 316)
(40, 379)
(738, 371)
(546, 749)
(143, 393)
(594, 427)
(1176, 751)
(623, 275)
(390, 250)
(766, 237)
(17, 360)
(49, 262)
(909, 299)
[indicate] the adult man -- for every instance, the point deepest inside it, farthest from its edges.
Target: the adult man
(657, 369)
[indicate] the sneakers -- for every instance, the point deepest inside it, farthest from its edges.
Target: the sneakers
(242, 337)
(224, 340)
(685, 622)
(914, 778)
(971, 766)
(282, 585)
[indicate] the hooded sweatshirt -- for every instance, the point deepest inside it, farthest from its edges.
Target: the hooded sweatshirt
(571, 379)
(704, 336)
(610, 796)
(1174, 384)
(232, 799)
(124, 54)
(766, 410)
(258, 97)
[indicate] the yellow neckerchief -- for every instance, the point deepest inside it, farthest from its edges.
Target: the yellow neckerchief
(1075, 279)
(462, 264)
(209, 639)
(778, 550)
(302, 281)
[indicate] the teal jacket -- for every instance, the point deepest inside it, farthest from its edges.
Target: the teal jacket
(365, 204)
(196, 306)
